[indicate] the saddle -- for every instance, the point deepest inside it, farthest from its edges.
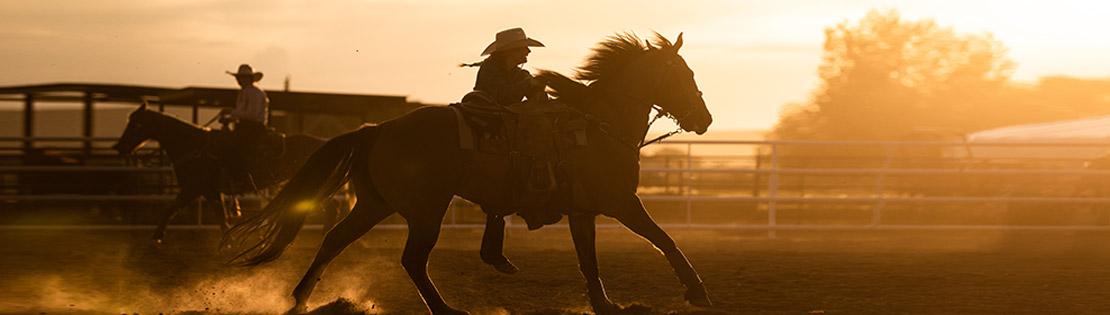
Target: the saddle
(534, 135)
(257, 157)
(269, 146)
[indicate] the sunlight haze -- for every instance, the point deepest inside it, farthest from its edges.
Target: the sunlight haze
(750, 57)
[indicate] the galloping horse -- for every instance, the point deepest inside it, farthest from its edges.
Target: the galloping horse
(413, 165)
(198, 172)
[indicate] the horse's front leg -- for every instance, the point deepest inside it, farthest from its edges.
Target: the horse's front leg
(636, 218)
(493, 240)
(582, 230)
(183, 198)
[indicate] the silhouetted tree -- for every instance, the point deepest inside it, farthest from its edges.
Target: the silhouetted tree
(885, 76)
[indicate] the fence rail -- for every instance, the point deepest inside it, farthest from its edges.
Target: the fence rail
(770, 182)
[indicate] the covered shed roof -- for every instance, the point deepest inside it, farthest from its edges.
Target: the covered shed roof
(1091, 129)
(1078, 139)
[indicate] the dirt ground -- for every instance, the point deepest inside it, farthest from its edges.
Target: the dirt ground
(746, 272)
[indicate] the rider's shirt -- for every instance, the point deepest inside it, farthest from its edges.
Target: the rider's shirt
(252, 104)
(507, 85)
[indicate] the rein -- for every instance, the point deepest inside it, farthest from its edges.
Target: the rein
(605, 128)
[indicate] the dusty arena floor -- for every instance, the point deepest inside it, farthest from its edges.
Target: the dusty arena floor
(827, 272)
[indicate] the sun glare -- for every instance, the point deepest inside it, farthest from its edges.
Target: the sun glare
(304, 206)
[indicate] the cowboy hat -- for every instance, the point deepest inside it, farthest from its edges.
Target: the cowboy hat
(246, 70)
(509, 39)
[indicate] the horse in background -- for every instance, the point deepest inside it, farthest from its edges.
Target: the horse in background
(413, 165)
(194, 154)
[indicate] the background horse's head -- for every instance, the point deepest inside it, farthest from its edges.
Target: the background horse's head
(139, 130)
(653, 73)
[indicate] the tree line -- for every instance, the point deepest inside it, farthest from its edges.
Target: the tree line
(889, 78)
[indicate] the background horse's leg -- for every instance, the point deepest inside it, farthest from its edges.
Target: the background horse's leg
(214, 201)
(423, 234)
(493, 240)
(582, 231)
(366, 213)
(183, 198)
(635, 217)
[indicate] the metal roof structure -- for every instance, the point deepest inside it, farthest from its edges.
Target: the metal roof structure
(371, 108)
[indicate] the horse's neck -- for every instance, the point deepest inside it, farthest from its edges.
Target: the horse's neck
(179, 138)
(626, 112)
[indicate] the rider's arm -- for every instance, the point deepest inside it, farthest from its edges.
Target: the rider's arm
(503, 88)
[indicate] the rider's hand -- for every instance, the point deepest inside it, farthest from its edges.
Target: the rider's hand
(536, 84)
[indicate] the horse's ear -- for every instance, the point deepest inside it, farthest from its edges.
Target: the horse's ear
(143, 107)
(673, 49)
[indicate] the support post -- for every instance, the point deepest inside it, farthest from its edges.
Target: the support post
(689, 185)
(87, 131)
(28, 121)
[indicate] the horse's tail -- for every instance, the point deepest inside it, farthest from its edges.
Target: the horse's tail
(265, 235)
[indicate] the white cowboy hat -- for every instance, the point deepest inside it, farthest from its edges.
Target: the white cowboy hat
(246, 70)
(509, 39)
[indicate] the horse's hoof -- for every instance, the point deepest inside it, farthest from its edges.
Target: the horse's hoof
(605, 308)
(698, 297)
(506, 268)
(297, 310)
(450, 311)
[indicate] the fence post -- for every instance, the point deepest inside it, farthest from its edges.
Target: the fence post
(87, 126)
(880, 185)
(689, 185)
(772, 191)
(200, 212)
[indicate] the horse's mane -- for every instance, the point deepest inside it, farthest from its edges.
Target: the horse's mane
(615, 52)
(609, 56)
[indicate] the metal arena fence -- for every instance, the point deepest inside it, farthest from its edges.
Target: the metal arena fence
(759, 185)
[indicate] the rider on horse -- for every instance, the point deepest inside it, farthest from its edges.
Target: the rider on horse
(503, 82)
(252, 108)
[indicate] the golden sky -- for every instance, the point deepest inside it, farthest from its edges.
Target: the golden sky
(750, 57)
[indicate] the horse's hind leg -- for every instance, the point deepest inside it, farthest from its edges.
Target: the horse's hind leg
(423, 234)
(365, 214)
(331, 214)
(183, 198)
(582, 230)
(636, 218)
(493, 240)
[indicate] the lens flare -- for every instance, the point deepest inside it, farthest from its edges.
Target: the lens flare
(306, 205)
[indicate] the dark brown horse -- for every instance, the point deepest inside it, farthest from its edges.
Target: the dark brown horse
(189, 148)
(413, 165)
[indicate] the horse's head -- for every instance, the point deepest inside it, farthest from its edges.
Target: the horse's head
(677, 92)
(138, 132)
(652, 74)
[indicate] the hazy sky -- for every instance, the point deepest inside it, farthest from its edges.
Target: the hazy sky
(750, 57)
